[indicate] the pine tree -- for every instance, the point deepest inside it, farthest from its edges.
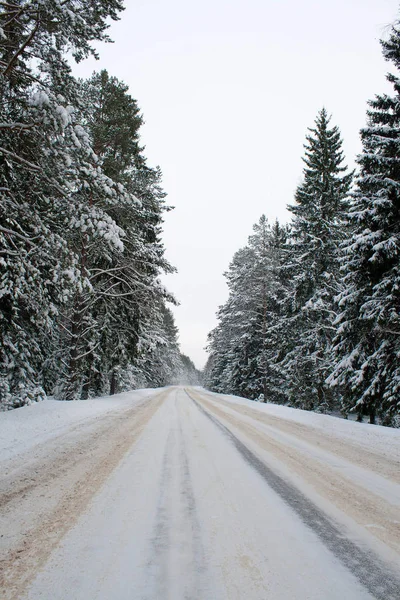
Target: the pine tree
(231, 365)
(244, 349)
(160, 360)
(312, 267)
(114, 120)
(127, 287)
(44, 165)
(368, 341)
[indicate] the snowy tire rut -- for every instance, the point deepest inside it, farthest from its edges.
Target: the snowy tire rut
(368, 498)
(176, 561)
(364, 564)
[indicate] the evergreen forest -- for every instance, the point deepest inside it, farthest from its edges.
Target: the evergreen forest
(312, 318)
(82, 309)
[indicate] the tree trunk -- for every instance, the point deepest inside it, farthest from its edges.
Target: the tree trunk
(72, 386)
(265, 389)
(85, 388)
(372, 416)
(113, 382)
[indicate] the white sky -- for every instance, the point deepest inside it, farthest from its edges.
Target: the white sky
(228, 89)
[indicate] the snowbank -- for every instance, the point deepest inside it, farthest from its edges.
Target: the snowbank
(23, 428)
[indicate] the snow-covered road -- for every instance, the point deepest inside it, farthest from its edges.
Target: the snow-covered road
(179, 494)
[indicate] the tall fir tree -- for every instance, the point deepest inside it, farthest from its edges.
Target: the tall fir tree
(367, 345)
(312, 267)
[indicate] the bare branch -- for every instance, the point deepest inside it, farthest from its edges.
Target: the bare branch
(24, 45)
(18, 235)
(20, 159)
(88, 352)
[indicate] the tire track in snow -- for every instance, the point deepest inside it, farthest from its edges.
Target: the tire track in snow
(157, 565)
(176, 538)
(372, 503)
(190, 508)
(374, 461)
(369, 570)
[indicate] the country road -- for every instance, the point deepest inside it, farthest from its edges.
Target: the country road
(180, 494)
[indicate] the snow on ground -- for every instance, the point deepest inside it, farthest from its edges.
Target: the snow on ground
(23, 428)
(179, 494)
(184, 517)
(342, 478)
(385, 440)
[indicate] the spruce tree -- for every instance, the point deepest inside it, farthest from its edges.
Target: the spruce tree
(312, 266)
(367, 345)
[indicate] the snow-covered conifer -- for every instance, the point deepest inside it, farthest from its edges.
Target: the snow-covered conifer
(311, 267)
(243, 351)
(367, 345)
(45, 166)
(126, 292)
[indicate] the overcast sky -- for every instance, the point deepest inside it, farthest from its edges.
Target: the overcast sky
(227, 90)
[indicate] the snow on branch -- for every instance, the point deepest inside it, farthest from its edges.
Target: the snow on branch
(21, 49)
(17, 125)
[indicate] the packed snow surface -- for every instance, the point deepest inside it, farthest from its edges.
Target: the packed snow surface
(371, 437)
(179, 494)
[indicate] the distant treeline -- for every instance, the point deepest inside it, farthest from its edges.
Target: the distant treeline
(313, 314)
